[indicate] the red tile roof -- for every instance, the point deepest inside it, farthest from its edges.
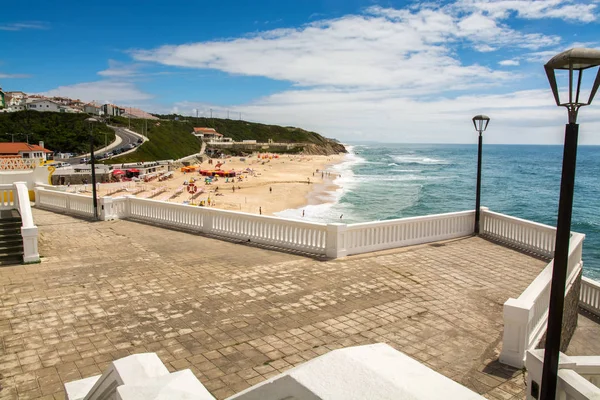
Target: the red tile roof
(210, 131)
(15, 148)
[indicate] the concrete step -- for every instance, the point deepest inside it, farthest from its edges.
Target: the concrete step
(16, 260)
(9, 241)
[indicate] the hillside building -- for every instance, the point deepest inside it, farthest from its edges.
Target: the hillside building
(209, 134)
(24, 150)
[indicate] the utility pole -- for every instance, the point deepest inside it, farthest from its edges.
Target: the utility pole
(129, 117)
(196, 113)
(12, 136)
(240, 116)
(26, 136)
(211, 113)
(227, 114)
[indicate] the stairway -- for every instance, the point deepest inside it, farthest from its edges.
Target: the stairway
(11, 241)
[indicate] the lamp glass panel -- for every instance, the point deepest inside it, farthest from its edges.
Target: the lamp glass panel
(587, 82)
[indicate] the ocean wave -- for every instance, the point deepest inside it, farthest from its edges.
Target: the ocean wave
(419, 160)
(399, 178)
(345, 181)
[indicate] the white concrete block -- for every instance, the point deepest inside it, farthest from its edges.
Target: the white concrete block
(365, 372)
(181, 385)
(77, 390)
(127, 370)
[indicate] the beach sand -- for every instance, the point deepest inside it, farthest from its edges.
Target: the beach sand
(288, 176)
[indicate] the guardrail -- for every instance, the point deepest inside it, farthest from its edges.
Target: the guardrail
(589, 296)
(526, 235)
(331, 240)
(382, 235)
(578, 377)
(526, 317)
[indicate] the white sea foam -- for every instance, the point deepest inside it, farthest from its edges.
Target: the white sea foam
(331, 209)
(404, 159)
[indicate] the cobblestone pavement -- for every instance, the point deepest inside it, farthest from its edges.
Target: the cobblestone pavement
(237, 314)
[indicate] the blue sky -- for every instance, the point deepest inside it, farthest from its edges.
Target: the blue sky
(351, 69)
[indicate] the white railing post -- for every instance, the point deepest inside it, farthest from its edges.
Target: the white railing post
(517, 315)
(30, 244)
(107, 211)
(482, 214)
(335, 242)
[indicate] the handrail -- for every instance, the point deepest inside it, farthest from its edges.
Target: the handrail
(525, 318)
(29, 232)
(24, 206)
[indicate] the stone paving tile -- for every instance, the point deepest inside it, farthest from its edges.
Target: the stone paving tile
(236, 314)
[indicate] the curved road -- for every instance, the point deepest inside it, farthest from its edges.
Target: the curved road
(127, 138)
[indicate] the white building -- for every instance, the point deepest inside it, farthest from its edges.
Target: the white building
(48, 106)
(15, 99)
(24, 150)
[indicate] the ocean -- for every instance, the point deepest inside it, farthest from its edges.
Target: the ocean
(385, 181)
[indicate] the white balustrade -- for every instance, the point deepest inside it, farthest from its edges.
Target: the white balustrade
(381, 235)
(578, 377)
(70, 203)
(589, 297)
(7, 197)
(526, 318)
(526, 235)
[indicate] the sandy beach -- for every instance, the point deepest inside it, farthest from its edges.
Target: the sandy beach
(269, 186)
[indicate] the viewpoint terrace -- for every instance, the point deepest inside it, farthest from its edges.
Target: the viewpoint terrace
(237, 314)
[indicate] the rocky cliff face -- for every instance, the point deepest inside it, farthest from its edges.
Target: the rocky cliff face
(326, 149)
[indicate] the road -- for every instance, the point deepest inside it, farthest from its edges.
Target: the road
(127, 138)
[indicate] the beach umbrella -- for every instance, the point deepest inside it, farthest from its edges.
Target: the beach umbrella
(118, 172)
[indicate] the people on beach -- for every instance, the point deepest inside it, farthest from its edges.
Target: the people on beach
(303, 213)
(270, 190)
(260, 210)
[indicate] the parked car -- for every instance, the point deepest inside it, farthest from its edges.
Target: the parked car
(84, 160)
(140, 141)
(60, 164)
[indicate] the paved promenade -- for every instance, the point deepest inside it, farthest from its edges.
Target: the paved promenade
(237, 314)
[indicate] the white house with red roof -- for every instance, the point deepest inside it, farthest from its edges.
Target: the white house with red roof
(24, 150)
(208, 133)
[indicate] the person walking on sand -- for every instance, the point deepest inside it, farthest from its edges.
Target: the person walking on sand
(302, 213)
(260, 210)
(270, 189)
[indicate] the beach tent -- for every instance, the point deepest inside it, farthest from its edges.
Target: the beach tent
(118, 172)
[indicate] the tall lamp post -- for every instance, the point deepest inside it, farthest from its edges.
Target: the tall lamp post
(93, 164)
(574, 61)
(481, 122)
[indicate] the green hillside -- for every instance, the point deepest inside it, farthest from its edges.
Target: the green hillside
(240, 130)
(169, 140)
(60, 132)
(172, 139)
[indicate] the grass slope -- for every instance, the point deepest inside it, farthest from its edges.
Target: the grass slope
(168, 140)
(171, 139)
(60, 132)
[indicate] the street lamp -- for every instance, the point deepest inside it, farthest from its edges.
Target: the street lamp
(93, 164)
(574, 61)
(480, 122)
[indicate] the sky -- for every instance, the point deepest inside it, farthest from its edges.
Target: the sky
(387, 71)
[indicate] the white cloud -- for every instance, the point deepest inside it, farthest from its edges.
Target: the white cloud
(509, 63)
(382, 48)
(396, 74)
(13, 76)
(117, 69)
(386, 116)
(19, 26)
(105, 91)
(531, 9)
